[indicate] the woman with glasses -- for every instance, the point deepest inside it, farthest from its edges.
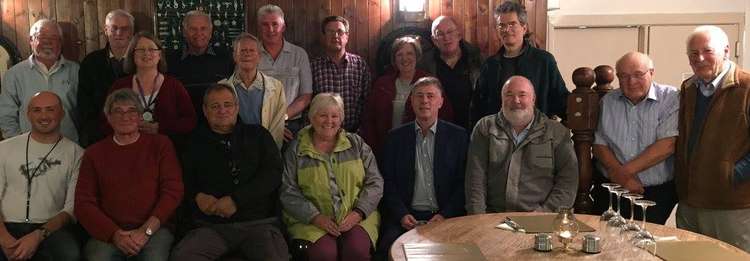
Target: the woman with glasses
(167, 108)
(129, 185)
(388, 105)
(331, 187)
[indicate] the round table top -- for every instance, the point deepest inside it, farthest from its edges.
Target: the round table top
(499, 244)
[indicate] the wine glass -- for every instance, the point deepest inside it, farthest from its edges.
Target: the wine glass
(631, 225)
(643, 237)
(610, 212)
(618, 220)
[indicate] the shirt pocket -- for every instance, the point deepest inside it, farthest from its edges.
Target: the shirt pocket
(290, 78)
(540, 154)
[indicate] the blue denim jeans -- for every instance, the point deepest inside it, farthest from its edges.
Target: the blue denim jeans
(156, 249)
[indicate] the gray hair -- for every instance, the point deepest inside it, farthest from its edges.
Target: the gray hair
(439, 21)
(244, 36)
(217, 87)
(640, 57)
(717, 37)
(510, 6)
(125, 95)
(324, 100)
(41, 23)
(404, 40)
(121, 13)
(427, 81)
(271, 9)
(196, 13)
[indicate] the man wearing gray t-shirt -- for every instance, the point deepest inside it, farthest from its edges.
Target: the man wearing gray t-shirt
(38, 175)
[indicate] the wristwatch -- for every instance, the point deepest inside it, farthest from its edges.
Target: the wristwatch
(45, 232)
(149, 232)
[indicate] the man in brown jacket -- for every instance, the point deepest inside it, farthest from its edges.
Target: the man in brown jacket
(713, 147)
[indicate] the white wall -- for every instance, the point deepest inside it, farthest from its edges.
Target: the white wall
(600, 7)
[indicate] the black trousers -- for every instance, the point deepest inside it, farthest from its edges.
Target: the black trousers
(390, 231)
(665, 196)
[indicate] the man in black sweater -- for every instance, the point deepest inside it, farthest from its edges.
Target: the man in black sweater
(99, 69)
(200, 62)
(232, 173)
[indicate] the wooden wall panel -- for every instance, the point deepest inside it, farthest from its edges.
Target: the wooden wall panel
(371, 20)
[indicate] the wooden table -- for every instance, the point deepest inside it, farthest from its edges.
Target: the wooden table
(499, 244)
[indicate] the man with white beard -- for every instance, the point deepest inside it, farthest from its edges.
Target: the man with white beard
(45, 70)
(519, 159)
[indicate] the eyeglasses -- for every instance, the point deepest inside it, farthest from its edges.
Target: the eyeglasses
(121, 29)
(122, 114)
(217, 106)
(637, 76)
(508, 26)
(144, 50)
(335, 33)
(443, 35)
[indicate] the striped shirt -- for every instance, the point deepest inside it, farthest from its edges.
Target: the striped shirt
(628, 129)
(351, 80)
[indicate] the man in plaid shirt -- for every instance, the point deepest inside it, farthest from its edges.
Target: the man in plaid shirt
(341, 72)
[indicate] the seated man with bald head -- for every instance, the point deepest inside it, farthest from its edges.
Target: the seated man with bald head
(519, 159)
(635, 139)
(38, 175)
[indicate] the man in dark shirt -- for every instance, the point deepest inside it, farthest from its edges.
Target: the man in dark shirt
(518, 57)
(232, 173)
(456, 63)
(99, 69)
(198, 64)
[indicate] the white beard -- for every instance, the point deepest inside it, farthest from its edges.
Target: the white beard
(518, 117)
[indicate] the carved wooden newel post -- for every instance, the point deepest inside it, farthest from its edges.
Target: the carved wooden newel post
(605, 74)
(583, 111)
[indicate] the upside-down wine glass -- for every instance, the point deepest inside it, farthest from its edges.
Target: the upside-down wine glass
(646, 240)
(631, 225)
(607, 215)
(618, 220)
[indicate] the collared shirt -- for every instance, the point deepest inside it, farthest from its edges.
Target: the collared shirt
(118, 66)
(424, 186)
(251, 99)
(708, 89)
(25, 79)
(628, 129)
(291, 67)
(351, 80)
(518, 137)
(42, 68)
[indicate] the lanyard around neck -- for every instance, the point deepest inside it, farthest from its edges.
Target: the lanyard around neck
(152, 97)
(31, 175)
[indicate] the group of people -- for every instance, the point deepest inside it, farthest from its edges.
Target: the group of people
(203, 153)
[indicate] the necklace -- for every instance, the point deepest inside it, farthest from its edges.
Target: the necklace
(147, 114)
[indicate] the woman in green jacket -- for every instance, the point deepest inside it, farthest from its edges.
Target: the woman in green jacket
(331, 186)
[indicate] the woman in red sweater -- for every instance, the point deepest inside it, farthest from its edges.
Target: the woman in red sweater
(388, 104)
(129, 185)
(167, 106)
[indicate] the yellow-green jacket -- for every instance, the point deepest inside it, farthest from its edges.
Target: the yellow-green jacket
(306, 184)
